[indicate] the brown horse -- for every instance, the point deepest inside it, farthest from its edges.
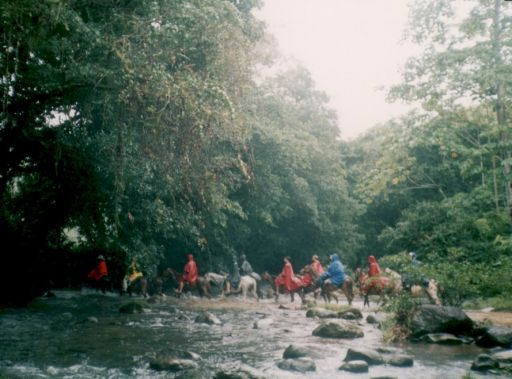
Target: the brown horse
(202, 284)
(380, 285)
(328, 290)
(271, 279)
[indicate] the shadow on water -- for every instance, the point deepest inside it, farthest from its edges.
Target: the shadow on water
(83, 335)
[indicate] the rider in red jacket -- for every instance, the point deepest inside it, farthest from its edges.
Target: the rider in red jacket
(190, 273)
(287, 278)
(373, 266)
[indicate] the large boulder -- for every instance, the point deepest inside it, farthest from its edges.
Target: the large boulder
(296, 351)
(493, 336)
(298, 364)
(355, 366)
(442, 339)
(132, 307)
(338, 329)
(207, 318)
(400, 360)
(438, 319)
(370, 356)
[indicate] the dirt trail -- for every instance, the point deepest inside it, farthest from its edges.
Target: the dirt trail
(496, 318)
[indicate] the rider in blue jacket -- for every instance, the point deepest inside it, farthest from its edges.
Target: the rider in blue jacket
(335, 272)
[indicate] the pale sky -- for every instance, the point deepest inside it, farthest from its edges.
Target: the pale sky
(351, 47)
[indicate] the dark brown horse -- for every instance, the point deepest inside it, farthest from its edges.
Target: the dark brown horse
(382, 286)
(202, 284)
(328, 290)
(272, 280)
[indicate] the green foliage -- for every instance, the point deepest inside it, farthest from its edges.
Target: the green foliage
(139, 125)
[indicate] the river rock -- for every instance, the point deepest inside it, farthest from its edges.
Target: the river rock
(131, 308)
(207, 318)
(296, 351)
(172, 364)
(484, 362)
(298, 364)
(92, 320)
(370, 356)
(284, 307)
(438, 319)
(401, 360)
(495, 336)
(350, 314)
(384, 377)
(355, 366)
(338, 329)
(321, 313)
(442, 339)
(179, 354)
(308, 303)
(190, 374)
(235, 374)
(263, 323)
(503, 356)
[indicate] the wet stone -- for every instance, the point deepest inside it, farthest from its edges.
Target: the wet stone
(92, 320)
(295, 351)
(355, 366)
(384, 377)
(338, 329)
(442, 339)
(495, 336)
(207, 318)
(438, 319)
(190, 374)
(321, 313)
(484, 362)
(401, 360)
(503, 356)
(263, 323)
(236, 374)
(350, 314)
(132, 308)
(371, 357)
(172, 364)
(298, 364)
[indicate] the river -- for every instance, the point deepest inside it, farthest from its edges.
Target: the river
(83, 335)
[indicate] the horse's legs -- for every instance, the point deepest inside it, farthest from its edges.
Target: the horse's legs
(366, 301)
(292, 296)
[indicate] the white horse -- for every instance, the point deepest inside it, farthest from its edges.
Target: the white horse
(247, 285)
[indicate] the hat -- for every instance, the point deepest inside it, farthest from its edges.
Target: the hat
(242, 256)
(315, 256)
(190, 257)
(101, 257)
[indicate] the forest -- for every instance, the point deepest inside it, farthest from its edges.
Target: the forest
(153, 129)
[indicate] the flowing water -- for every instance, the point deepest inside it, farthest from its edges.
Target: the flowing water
(53, 338)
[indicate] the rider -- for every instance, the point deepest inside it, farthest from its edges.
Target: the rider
(245, 268)
(99, 275)
(233, 278)
(335, 273)
(316, 266)
(373, 267)
(190, 273)
(287, 278)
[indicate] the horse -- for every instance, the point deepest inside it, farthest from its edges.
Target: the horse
(271, 279)
(428, 287)
(379, 285)
(247, 285)
(140, 285)
(328, 290)
(202, 284)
